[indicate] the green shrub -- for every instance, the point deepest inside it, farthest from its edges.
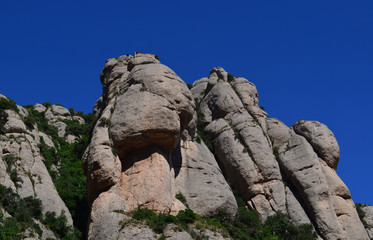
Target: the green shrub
(230, 77)
(8, 104)
(361, 214)
(3, 120)
(23, 210)
(179, 196)
(10, 229)
(276, 153)
(280, 225)
(59, 226)
(72, 111)
(186, 216)
(10, 160)
(29, 121)
(47, 104)
(156, 222)
(104, 122)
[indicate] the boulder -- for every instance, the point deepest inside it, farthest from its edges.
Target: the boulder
(14, 123)
(322, 140)
(142, 119)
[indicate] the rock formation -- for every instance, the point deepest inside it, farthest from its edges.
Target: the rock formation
(142, 151)
(146, 148)
(23, 167)
(155, 141)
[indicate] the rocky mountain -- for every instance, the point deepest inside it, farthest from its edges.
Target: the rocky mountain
(41, 179)
(166, 161)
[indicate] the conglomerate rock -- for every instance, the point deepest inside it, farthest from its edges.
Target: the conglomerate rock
(274, 167)
(155, 139)
(142, 148)
(146, 148)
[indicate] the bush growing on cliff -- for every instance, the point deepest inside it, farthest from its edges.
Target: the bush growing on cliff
(67, 173)
(230, 77)
(6, 104)
(361, 214)
(23, 210)
(244, 225)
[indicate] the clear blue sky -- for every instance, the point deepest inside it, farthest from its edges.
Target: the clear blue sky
(310, 60)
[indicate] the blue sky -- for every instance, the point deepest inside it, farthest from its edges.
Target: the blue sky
(310, 60)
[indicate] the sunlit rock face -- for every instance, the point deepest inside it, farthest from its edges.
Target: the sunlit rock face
(142, 150)
(23, 166)
(146, 148)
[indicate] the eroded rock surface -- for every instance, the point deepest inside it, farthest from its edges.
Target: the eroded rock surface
(274, 167)
(155, 138)
(142, 147)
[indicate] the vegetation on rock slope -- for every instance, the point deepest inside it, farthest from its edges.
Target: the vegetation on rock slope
(68, 177)
(244, 225)
(64, 165)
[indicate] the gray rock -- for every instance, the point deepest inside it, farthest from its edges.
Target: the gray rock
(141, 61)
(40, 108)
(200, 180)
(295, 210)
(79, 119)
(368, 210)
(171, 233)
(100, 165)
(98, 106)
(279, 133)
(254, 173)
(199, 88)
(161, 80)
(136, 232)
(61, 127)
(31, 169)
(60, 111)
(321, 139)
(142, 119)
(246, 90)
(106, 215)
(220, 101)
(14, 123)
(219, 72)
(22, 111)
(303, 168)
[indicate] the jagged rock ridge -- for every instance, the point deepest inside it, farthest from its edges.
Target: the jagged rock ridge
(146, 148)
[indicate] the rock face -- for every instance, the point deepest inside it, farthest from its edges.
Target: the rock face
(146, 147)
(23, 167)
(368, 218)
(142, 149)
(156, 142)
(274, 167)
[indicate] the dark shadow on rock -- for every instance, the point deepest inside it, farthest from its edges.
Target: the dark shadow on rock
(177, 159)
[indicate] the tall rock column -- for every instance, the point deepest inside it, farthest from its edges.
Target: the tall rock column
(141, 149)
